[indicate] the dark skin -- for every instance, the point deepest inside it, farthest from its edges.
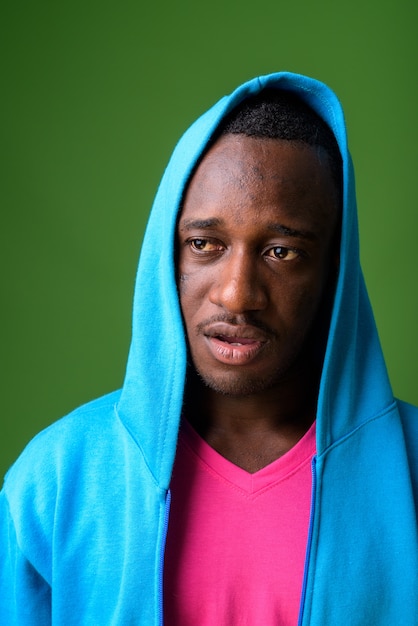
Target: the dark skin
(256, 240)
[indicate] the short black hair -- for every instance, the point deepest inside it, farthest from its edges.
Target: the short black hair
(280, 114)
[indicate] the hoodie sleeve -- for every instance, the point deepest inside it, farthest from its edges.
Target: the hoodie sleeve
(25, 597)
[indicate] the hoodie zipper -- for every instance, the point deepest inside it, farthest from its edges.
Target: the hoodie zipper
(309, 543)
(161, 560)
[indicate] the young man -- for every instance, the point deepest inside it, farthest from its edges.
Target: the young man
(256, 402)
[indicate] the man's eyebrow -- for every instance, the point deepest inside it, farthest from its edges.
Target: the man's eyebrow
(192, 224)
(211, 222)
(292, 232)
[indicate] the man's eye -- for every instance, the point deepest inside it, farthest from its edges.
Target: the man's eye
(282, 253)
(203, 245)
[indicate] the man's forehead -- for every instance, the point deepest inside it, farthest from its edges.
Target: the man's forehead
(243, 172)
(244, 161)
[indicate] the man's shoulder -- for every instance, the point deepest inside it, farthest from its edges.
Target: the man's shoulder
(68, 438)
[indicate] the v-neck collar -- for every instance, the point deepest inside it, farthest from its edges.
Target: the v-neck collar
(251, 483)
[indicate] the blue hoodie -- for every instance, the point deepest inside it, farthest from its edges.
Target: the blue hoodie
(84, 510)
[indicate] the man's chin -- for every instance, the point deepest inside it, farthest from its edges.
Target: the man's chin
(238, 385)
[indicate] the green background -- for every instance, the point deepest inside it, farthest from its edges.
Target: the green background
(95, 95)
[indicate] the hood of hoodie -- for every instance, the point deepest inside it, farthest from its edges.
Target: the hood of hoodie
(354, 384)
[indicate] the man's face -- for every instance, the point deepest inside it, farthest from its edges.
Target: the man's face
(254, 237)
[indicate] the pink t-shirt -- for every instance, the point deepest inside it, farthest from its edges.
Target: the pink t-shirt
(236, 541)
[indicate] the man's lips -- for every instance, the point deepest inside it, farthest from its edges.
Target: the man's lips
(231, 333)
(234, 345)
(235, 341)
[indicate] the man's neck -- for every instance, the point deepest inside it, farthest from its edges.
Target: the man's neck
(252, 431)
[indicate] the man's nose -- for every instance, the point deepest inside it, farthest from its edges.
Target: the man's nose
(237, 285)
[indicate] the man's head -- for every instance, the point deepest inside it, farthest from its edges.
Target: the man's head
(256, 239)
